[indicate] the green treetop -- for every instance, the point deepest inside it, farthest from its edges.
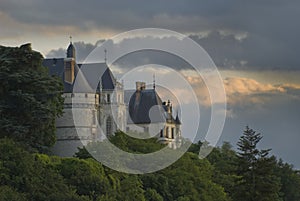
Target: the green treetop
(30, 100)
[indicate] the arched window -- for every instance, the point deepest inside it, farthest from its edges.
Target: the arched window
(108, 98)
(172, 133)
(167, 132)
(108, 126)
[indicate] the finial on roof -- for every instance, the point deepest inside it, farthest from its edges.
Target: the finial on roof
(105, 58)
(154, 81)
(70, 39)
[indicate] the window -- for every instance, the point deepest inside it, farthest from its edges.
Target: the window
(108, 126)
(94, 117)
(167, 132)
(173, 133)
(119, 98)
(108, 98)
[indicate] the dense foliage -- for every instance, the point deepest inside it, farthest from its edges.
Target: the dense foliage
(30, 99)
(27, 176)
(29, 103)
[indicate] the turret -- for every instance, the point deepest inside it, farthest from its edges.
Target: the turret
(70, 63)
(71, 52)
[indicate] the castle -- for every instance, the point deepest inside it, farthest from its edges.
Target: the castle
(109, 106)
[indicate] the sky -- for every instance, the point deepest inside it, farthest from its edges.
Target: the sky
(255, 45)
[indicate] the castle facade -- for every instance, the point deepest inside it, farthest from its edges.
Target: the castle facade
(99, 113)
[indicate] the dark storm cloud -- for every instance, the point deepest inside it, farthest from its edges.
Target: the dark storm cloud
(82, 50)
(275, 18)
(271, 27)
(252, 53)
(128, 61)
(227, 51)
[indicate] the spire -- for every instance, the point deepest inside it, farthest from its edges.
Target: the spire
(71, 53)
(105, 58)
(177, 119)
(154, 81)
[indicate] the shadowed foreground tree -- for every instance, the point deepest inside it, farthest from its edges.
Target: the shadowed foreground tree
(25, 176)
(30, 99)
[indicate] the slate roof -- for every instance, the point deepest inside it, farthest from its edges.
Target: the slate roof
(56, 67)
(71, 51)
(93, 70)
(90, 71)
(177, 120)
(145, 106)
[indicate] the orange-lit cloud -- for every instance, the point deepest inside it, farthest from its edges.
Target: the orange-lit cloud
(242, 91)
(238, 85)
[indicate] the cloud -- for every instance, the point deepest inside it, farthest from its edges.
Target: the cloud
(249, 96)
(251, 35)
(244, 93)
(229, 50)
(82, 50)
(246, 86)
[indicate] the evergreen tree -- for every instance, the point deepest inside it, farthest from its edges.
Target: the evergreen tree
(256, 170)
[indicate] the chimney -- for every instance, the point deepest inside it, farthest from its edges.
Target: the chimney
(140, 86)
(169, 111)
(169, 106)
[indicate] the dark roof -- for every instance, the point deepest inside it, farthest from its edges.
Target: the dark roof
(71, 51)
(92, 71)
(177, 120)
(142, 108)
(56, 67)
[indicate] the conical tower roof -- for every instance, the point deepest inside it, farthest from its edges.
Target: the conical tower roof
(71, 52)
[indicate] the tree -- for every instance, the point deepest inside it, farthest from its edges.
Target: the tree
(9, 194)
(152, 195)
(25, 176)
(223, 159)
(30, 100)
(189, 178)
(87, 176)
(258, 181)
(290, 180)
(131, 189)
